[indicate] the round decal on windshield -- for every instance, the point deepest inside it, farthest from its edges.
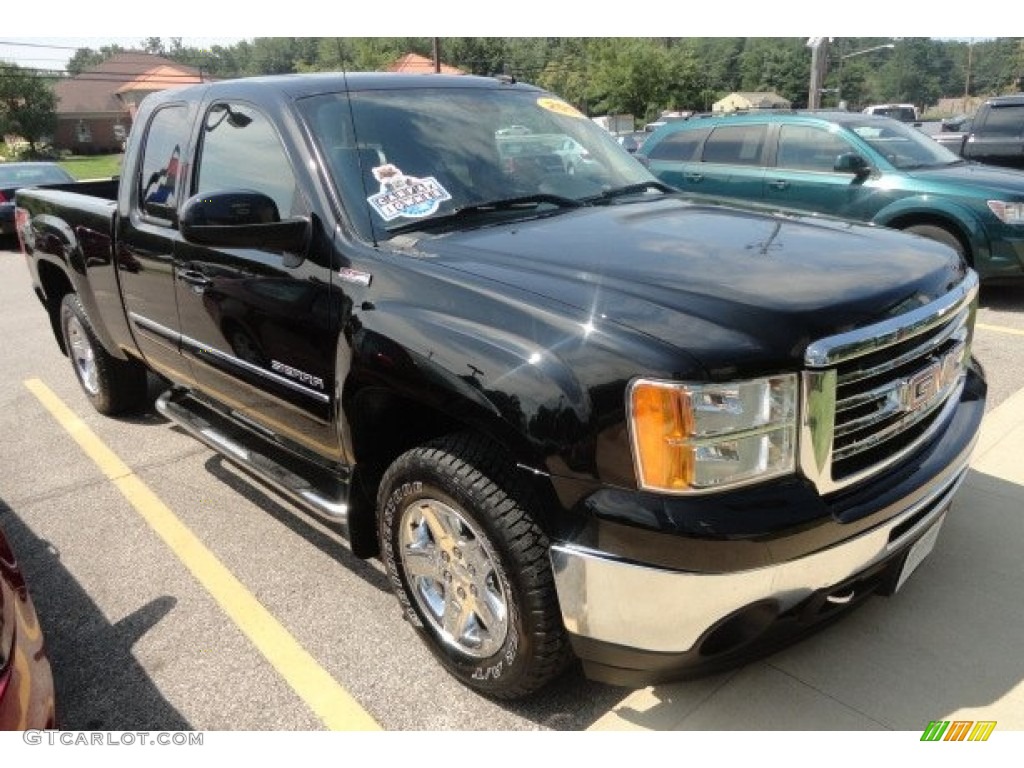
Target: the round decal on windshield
(558, 106)
(405, 196)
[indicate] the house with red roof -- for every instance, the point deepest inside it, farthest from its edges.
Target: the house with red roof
(95, 109)
(413, 63)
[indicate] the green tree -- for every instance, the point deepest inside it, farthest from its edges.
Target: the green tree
(567, 76)
(86, 58)
(476, 55)
(154, 45)
(629, 76)
(909, 72)
(28, 106)
(641, 75)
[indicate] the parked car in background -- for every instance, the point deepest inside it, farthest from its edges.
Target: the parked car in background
(14, 176)
(26, 683)
(994, 136)
(955, 123)
(551, 152)
(633, 140)
(574, 155)
(854, 166)
(905, 113)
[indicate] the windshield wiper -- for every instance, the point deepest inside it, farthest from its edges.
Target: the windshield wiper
(523, 202)
(631, 189)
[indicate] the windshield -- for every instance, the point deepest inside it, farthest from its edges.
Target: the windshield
(28, 175)
(402, 156)
(904, 147)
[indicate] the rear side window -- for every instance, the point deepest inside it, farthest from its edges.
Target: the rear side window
(680, 146)
(735, 144)
(159, 183)
(1005, 121)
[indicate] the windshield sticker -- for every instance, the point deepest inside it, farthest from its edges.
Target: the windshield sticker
(405, 196)
(559, 107)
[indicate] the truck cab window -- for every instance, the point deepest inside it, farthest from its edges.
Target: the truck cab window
(158, 181)
(1005, 121)
(240, 150)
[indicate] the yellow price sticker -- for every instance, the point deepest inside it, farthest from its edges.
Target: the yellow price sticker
(558, 106)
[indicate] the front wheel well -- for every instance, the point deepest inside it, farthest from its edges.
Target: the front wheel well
(947, 225)
(384, 425)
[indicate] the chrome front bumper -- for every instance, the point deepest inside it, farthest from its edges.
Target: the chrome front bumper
(610, 600)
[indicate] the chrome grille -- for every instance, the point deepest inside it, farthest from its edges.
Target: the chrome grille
(873, 395)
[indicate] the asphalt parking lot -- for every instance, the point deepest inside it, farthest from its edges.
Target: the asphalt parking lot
(139, 623)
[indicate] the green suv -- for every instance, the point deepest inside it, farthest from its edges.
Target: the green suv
(853, 166)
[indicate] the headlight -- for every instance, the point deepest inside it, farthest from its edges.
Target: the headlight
(1008, 213)
(689, 438)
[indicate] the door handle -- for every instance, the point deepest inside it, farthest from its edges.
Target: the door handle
(194, 278)
(778, 184)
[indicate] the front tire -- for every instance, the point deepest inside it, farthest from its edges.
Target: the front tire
(113, 386)
(470, 566)
(940, 235)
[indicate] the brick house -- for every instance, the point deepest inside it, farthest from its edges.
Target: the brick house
(95, 109)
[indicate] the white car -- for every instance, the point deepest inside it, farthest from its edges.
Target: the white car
(574, 155)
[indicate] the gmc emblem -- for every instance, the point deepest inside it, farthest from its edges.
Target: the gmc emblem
(921, 387)
(926, 385)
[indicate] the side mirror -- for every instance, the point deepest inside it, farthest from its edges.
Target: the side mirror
(241, 219)
(851, 162)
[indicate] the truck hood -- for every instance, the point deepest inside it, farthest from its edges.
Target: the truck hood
(1008, 183)
(741, 290)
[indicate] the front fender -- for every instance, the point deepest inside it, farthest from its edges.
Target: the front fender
(523, 396)
(957, 217)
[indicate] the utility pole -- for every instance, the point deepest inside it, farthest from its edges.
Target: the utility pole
(437, 54)
(967, 80)
(819, 66)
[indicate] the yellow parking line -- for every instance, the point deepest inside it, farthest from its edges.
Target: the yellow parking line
(999, 329)
(321, 692)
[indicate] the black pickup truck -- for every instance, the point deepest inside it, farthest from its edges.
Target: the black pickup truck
(573, 412)
(994, 135)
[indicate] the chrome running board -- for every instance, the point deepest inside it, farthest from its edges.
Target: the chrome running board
(257, 456)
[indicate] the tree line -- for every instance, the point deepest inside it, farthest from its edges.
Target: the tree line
(644, 76)
(638, 76)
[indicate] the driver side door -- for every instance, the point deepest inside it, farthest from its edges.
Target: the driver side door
(260, 325)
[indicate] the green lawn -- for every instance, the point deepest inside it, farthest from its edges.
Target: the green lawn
(93, 166)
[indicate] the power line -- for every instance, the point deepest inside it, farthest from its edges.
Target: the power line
(86, 78)
(19, 44)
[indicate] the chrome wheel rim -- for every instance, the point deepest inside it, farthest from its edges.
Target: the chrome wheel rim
(82, 356)
(453, 578)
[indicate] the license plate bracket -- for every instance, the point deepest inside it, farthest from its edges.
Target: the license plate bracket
(919, 551)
